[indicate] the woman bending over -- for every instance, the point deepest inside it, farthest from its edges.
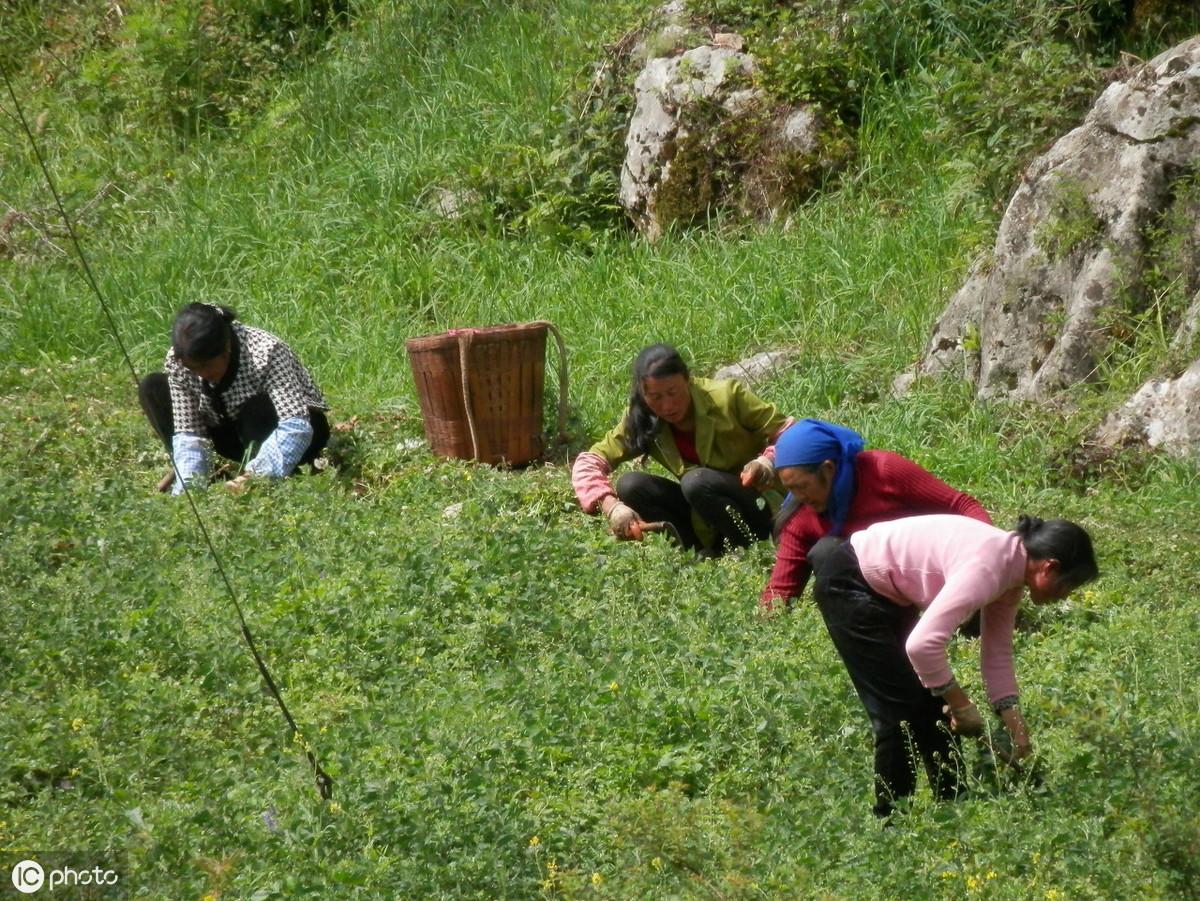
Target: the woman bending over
(838, 488)
(892, 595)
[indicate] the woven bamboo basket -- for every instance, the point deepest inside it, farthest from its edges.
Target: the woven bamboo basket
(481, 391)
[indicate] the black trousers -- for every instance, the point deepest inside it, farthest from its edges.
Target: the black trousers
(869, 632)
(711, 493)
(236, 438)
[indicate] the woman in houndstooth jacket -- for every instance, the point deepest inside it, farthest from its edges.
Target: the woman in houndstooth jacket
(237, 390)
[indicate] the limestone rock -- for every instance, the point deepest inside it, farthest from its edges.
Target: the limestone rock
(703, 137)
(1164, 414)
(450, 203)
(1030, 322)
(1188, 335)
(665, 177)
(756, 368)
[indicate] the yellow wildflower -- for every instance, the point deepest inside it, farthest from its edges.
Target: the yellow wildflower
(597, 879)
(973, 882)
(534, 842)
(613, 687)
(335, 807)
(76, 724)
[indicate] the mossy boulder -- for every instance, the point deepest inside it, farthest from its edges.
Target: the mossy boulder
(1095, 247)
(704, 140)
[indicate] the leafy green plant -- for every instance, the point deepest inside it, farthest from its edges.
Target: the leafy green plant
(190, 66)
(1007, 107)
(1071, 223)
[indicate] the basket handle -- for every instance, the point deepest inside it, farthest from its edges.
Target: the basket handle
(464, 353)
(562, 379)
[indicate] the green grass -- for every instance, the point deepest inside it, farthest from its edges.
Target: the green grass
(479, 681)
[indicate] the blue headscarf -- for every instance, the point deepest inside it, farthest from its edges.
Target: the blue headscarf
(813, 441)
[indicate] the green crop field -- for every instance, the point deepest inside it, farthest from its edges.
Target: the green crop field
(512, 704)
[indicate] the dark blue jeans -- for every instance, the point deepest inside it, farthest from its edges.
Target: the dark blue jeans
(869, 632)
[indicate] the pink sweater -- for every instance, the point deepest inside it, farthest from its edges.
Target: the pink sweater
(949, 567)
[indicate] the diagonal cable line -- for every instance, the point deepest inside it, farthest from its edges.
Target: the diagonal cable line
(324, 781)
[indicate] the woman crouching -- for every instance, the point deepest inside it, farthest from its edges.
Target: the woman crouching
(237, 390)
(714, 436)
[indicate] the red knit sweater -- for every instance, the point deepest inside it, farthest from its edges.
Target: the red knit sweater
(886, 486)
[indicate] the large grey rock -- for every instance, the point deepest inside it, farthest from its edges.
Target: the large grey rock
(666, 177)
(1030, 321)
(703, 137)
(1164, 414)
(1188, 335)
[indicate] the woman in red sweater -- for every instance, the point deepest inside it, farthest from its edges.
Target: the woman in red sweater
(837, 488)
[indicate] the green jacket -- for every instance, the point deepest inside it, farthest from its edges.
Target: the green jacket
(732, 428)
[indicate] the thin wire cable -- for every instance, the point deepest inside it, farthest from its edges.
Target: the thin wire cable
(324, 781)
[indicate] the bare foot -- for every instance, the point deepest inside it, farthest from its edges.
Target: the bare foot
(165, 483)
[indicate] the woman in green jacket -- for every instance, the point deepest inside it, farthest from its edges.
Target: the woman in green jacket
(714, 436)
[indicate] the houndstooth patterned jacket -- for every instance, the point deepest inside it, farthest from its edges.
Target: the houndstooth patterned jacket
(259, 364)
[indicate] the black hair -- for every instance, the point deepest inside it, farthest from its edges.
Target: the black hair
(202, 331)
(1066, 542)
(654, 362)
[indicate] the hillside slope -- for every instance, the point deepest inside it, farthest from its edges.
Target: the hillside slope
(512, 704)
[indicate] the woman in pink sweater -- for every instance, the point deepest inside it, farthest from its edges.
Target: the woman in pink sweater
(870, 589)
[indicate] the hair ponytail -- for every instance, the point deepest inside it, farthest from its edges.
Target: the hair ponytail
(1061, 540)
(1027, 525)
(202, 331)
(655, 361)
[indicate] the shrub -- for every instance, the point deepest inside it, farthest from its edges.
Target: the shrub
(564, 183)
(192, 65)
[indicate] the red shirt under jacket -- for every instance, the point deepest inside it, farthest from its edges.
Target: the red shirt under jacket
(685, 443)
(886, 486)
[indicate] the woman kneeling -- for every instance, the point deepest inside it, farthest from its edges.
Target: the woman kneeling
(236, 389)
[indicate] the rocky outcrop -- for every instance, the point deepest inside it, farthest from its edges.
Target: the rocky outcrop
(703, 139)
(1073, 246)
(1164, 414)
(667, 175)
